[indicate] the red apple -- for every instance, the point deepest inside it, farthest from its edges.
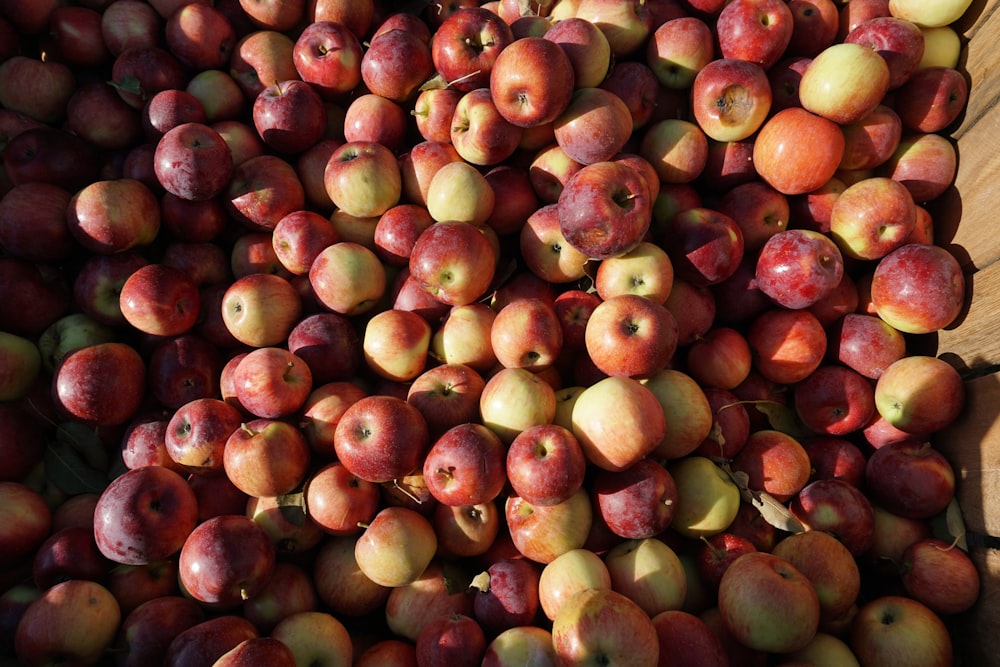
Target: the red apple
(788, 170)
(380, 438)
(272, 382)
(289, 116)
(730, 98)
(465, 466)
(911, 479)
(466, 44)
(396, 64)
(101, 384)
(593, 112)
(603, 626)
(755, 30)
(894, 628)
(837, 507)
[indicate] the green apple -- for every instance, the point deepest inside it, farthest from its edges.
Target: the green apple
(68, 333)
(459, 191)
(707, 499)
(20, 364)
(649, 573)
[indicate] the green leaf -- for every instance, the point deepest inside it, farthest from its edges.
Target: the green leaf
(70, 472)
(129, 84)
(85, 441)
(781, 417)
(436, 82)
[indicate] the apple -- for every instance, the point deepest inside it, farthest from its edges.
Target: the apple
(144, 516)
(585, 46)
(925, 163)
(193, 161)
(758, 209)
(545, 464)
(285, 521)
(872, 217)
(197, 433)
(33, 224)
(522, 645)
(466, 45)
(75, 620)
(328, 55)
(23, 363)
(648, 572)
(542, 533)
(588, 110)
(380, 438)
(160, 300)
(941, 47)
(828, 565)
(290, 590)
(363, 178)
(340, 583)
(788, 345)
(783, 167)
(704, 245)
(604, 209)
(626, 25)
(894, 628)
(453, 639)
(314, 637)
(266, 457)
(730, 98)
(822, 88)
(272, 382)
(775, 463)
(940, 575)
(289, 116)
(931, 99)
(28, 521)
(396, 546)
(505, 595)
(200, 36)
(872, 140)
(396, 64)
(465, 531)
(899, 41)
(894, 467)
(39, 152)
(395, 344)
(254, 651)
(599, 626)
(433, 110)
(36, 88)
(463, 337)
(687, 638)
(111, 402)
(707, 499)
(147, 630)
(388, 652)
(357, 16)
(839, 508)
(515, 399)
(678, 49)
(208, 640)
(688, 414)
(411, 606)
(567, 574)
(767, 604)
(465, 466)
(611, 407)
(758, 31)
(918, 288)
(454, 261)
(225, 561)
(261, 57)
(797, 268)
(919, 394)
(113, 216)
(545, 250)
(347, 278)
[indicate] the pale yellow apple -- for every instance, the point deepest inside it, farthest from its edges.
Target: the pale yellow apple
(396, 547)
(686, 408)
(565, 400)
(929, 14)
(649, 572)
(707, 499)
(825, 650)
(942, 47)
(459, 191)
(315, 638)
(568, 573)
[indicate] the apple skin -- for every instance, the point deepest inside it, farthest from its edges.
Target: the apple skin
(411, 606)
(872, 140)
(593, 112)
(829, 565)
(226, 560)
(597, 625)
(147, 631)
(707, 499)
(289, 116)
(207, 641)
(112, 216)
(193, 161)
(585, 46)
(396, 546)
(899, 41)
(396, 64)
(75, 620)
(940, 575)
(705, 245)
(730, 98)
(197, 432)
(775, 463)
(455, 639)
(755, 30)
(931, 99)
(266, 457)
(865, 343)
(897, 466)
(542, 533)
(112, 400)
(466, 45)
(272, 382)
(638, 502)
(895, 629)
(786, 169)
(380, 438)
(509, 597)
(36, 88)
(454, 261)
(545, 464)
(788, 345)
(605, 209)
(160, 300)
(798, 267)
(27, 521)
(328, 55)
(524, 645)
(834, 400)
(821, 89)
(767, 604)
(632, 408)
(837, 507)
(918, 288)
(144, 516)
(465, 466)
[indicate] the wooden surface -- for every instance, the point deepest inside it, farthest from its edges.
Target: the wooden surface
(967, 221)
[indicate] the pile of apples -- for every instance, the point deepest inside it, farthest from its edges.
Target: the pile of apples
(567, 332)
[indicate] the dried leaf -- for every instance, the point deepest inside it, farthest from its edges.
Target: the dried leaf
(774, 512)
(956, 524)
(436, 82)
(293, 508)
(480, 582)
(524, 8)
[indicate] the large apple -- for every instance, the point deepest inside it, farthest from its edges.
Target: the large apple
(597, 626)
(896, 629)
(532, 81)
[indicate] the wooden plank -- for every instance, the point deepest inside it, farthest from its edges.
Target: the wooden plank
(972, 343)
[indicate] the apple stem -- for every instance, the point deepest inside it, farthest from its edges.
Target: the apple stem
(407, 492)
(363, 525)
(246, 428)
